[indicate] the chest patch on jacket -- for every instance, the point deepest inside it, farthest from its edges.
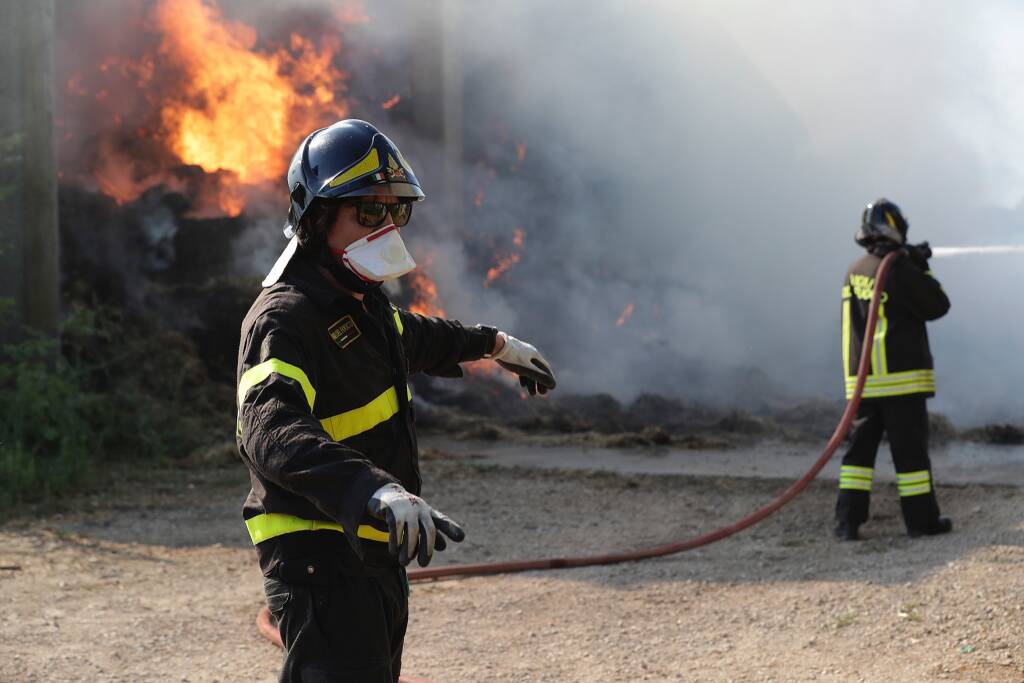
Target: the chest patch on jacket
(343, 332)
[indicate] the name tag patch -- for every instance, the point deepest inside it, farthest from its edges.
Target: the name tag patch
(343, 332)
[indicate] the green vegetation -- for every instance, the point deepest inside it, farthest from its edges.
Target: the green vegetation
(114, 391)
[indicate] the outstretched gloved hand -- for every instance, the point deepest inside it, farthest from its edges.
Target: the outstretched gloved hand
(412, 524)
(525, 360)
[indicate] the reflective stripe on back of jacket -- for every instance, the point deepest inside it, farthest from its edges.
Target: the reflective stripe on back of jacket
(901, 359)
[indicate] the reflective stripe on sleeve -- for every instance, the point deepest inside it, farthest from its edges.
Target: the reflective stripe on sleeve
(272, 524)
(259, 373)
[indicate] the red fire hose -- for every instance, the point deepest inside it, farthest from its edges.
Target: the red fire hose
(270, 631)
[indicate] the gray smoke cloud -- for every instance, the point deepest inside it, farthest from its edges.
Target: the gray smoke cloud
(709, 161)
(704, 165)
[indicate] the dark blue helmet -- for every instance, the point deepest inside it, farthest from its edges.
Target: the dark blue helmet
(350, 158)
(882, 221)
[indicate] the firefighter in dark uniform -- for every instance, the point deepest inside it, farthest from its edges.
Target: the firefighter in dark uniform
(325, 416)
(901, 378)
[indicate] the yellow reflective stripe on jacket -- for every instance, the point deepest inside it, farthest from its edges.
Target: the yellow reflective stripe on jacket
(894, 383)
(880, 361)
(846, 329)
(914, 483)
(398, 320)
(896, 377)
(259, 373)
(899, 390)
(358, 420)
(272, 524)
(856, 478)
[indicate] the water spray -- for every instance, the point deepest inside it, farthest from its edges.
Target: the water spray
(945, 252)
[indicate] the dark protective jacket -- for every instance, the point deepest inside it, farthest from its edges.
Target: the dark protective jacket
(325, 415)
(901, 360)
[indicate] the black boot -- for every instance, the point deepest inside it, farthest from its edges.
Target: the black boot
(941, 525)
(846, 532)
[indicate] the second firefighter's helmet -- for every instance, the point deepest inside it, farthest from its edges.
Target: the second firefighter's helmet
(350, 158)
(882, 221)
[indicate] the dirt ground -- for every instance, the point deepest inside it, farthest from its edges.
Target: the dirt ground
(159, 583)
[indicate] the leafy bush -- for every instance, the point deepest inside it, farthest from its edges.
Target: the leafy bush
(114, 390)
(45, 433)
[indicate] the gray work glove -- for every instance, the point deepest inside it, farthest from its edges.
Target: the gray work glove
(412, 524)
(525, 360)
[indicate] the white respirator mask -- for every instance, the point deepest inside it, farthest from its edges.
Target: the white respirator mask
(378, 257)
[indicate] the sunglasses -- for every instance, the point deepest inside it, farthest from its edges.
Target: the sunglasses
(373, 214)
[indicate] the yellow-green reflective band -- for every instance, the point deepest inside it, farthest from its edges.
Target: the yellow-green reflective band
(894, 378)
(259, 373)
(907, 491)
(894, 384)
(856, 478)
(273, 524)
(398, 320)
(846, 336)
(914, 483)
(880, 362)
(846, 292)
(368, 164)
(358, 420)
(882, 392)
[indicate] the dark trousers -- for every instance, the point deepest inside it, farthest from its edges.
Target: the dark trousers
(338, 627)
(905, 420)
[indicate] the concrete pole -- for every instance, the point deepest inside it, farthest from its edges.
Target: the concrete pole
(41, 237)
(452, 105)
(29, 237)
(11, 143)
(437, 96)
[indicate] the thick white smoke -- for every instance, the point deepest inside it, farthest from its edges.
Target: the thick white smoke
(709, 162)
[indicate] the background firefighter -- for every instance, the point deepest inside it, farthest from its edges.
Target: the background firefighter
(902, 375)
(326, 425)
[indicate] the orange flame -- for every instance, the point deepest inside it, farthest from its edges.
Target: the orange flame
(390, 102)
(240, 110)
(506, 262)
(425, 298)
(503, 265)
(221, 103)
(626, 313)
(426, 301)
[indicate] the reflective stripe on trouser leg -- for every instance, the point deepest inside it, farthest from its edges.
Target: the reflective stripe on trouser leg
(855, 478)
(914, 483)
